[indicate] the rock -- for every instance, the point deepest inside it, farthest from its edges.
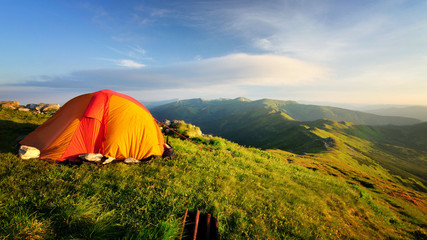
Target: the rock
(175, 123)
(50, 108)
(40, 106)
(108, 160)
(23, 109)
(167, 122)
(130, 160)
(92, 157)
(186, 129)
(9, 104)
(31, 106)
(27, 152)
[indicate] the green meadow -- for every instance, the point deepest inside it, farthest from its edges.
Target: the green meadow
(340, 193)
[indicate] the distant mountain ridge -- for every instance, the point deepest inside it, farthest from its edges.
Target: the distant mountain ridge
(199, 110)
(154, 104)
(418, 112)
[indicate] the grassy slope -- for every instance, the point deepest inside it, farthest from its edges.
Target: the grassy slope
(255, 194)
(394, 149)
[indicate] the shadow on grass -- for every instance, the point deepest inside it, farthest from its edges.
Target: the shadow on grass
(10, 131)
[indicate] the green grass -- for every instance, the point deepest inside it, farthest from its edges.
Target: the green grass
(255, 194)
(379, 150)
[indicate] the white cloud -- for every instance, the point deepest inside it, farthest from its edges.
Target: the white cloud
(129, 63)
(124, 62)
(253, 76)
(230, 70)
(263, 70)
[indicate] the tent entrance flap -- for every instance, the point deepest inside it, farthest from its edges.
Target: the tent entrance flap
(88, 138)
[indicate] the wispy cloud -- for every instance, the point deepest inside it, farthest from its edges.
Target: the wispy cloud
(124, 62)
(129, 63)
(332, 32)
(99, 13)
(143, 14)
(230, 70)
(314, 32)
(131, 51)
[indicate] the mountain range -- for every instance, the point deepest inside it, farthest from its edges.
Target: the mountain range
(418, 112)
(200, 110)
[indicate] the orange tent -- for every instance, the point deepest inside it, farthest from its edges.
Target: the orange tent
(105, 122)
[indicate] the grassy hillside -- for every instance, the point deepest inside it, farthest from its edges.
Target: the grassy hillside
(255, 194)
(395, 150)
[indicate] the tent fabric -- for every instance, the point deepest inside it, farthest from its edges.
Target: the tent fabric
(105, 122)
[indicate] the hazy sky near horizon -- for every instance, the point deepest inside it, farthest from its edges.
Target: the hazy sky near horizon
(355, 51)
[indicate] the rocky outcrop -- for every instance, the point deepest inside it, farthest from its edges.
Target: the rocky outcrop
(37, 108)
(9, 104)
(32, 106)
(43, 107)
(182, 128)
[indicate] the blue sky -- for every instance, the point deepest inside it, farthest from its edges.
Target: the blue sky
(354, 52)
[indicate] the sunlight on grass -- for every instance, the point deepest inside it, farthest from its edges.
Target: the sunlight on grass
(255, 194)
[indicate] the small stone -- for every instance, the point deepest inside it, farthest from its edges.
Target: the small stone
(92, 157)
(22, 109)
(28, 152)
(131, 160)
(108, 160)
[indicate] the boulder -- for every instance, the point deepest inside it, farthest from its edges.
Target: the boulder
(50, 108)
(40, 106)
(9, 104)
(28, 152)
(31, 106)
(91, 157)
